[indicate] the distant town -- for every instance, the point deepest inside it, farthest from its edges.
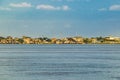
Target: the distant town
(66, 40)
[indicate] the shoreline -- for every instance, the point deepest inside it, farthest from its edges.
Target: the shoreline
(64, 44)
(66, 40)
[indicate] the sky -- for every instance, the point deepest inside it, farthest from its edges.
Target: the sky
(59, 18)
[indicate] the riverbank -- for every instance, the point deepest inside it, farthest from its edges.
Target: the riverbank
(66, 40)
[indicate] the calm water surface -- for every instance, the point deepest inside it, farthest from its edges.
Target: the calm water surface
(59, 62)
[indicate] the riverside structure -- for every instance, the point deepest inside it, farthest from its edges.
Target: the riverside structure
(66, 40)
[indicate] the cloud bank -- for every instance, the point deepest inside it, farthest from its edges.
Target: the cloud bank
(5, 8)
(22, 5)
(114, 8)
(51, 7)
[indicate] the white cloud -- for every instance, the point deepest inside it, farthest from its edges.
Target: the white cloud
(114, 8)
(47, 7)
(5, 9)
(51, 7)
(65, 7)
(23, 4)
(102, 9)
(111, 8)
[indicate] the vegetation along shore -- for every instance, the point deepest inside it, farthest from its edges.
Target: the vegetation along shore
(66, 40)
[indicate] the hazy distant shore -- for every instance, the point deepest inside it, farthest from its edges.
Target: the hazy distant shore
(66, 40)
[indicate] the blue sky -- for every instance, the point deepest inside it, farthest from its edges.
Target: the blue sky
(59, 18)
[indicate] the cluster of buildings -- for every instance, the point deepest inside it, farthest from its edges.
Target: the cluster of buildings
(67, 40)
